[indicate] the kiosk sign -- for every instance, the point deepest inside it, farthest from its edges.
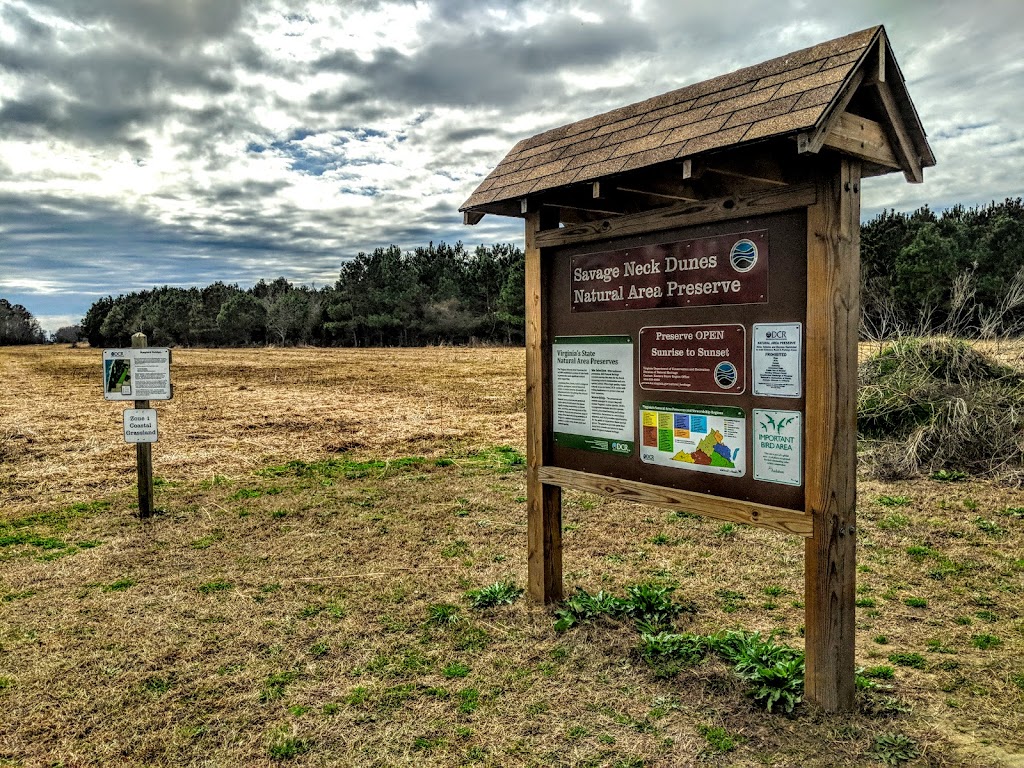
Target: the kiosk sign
(137, 373)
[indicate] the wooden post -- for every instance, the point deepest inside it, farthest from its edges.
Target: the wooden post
(144, 453)
(833, 314)
(544, 502)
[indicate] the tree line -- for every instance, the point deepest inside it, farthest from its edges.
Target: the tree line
(437, 294)
(18, 326)
(960, 271)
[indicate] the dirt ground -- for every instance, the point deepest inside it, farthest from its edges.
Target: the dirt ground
(300, 598)
(237, 410)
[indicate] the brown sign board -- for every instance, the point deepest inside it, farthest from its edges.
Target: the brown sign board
(692, 373)
(694, 358)
(696, 272)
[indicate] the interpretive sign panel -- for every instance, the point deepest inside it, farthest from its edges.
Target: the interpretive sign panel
(592, 381)
(778, 446)
(140, 373)
(707, 271)
(694, 437)
(777, 358)
(694, 358)
(140, 425)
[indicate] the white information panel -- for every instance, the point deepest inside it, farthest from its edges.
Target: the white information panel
(140, 425)
(777, 354)
(778, 446)
(142, 373)
(592, 382)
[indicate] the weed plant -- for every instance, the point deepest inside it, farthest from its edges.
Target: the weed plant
(498, 593)
(894, 748)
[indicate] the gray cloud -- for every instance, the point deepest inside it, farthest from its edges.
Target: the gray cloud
(489, 67)
(160, 22)
(271, 138)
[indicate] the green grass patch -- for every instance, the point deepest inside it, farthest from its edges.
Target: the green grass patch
(443, 614)
(120, 585)
(209, 540)
(276, 683)
(455, 670)
(990, 527)
(985, 641)
(500, 458)
(217, 585)
(499, 593)
(913, 660)
(27, 538)
(718, 738)
(283, 747)
(895, 521)
(881, 672)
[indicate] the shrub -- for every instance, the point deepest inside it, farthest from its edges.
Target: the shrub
(939, 406)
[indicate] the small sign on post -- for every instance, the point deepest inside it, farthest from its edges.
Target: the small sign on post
(140, 425)
(141, 374)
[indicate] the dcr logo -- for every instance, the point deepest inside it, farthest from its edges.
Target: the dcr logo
(775, 335)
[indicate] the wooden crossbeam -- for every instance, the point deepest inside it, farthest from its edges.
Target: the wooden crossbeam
(663, 195)
(862, 138)
(902, 144)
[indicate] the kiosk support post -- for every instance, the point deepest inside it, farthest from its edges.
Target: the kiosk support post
(544, 502)
(833, 317)
(144, 452)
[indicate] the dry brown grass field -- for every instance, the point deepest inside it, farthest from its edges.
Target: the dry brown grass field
(300, 598)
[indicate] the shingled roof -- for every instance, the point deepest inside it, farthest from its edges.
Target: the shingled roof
(784, 96)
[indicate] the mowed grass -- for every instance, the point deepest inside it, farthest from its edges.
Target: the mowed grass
(308, 598)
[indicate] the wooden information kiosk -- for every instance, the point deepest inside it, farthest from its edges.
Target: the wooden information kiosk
(692, 307)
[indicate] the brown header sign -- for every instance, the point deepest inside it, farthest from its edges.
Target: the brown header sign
(709, 271)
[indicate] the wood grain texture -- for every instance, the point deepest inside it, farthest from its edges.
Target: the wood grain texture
(862, 138)
(683, 215)
(833, 313)
(900, 137)
(144, 452)
(544, 502)
(748, 513)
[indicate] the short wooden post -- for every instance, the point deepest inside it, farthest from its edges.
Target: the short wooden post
(833, 314)
(544, 502)
(144, 452)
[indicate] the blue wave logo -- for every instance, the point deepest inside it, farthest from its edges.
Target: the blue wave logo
(743, 256)
(726, 375)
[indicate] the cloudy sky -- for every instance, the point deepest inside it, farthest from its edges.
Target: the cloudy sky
(178, 142)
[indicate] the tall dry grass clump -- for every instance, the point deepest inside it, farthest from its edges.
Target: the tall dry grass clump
(930, 404)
